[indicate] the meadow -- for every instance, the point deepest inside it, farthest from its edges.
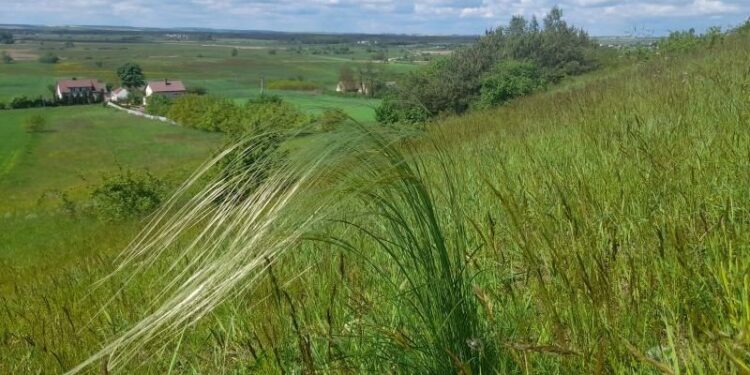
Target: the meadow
(78, 147)
(601, 227)
(199, 64)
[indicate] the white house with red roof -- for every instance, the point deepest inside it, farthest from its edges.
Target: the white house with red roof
(165, 87)
(80, 88)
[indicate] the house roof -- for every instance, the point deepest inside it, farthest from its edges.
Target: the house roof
(66, 84)
(119, 91)
(166, 86)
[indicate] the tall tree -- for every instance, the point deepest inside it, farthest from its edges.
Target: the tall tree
(346, 75)
(131, 75)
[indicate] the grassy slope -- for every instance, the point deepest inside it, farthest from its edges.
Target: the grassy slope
(612, 222)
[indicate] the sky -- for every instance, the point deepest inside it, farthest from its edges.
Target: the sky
(440, 17)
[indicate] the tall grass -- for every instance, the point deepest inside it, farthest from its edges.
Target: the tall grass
(598, 229)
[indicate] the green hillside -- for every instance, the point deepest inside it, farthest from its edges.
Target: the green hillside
(602, 227)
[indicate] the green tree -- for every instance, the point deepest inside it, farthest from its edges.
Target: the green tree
(346, 75)
(131, 75)
(235, 52)
(454, 84)
(35, 124)
(127, 195)
(49, 58)
(508, 80)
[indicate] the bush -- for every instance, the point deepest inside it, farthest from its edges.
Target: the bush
(331, 118)
(158, 105)
(222, 115)
(396, 111)
(249, 166)
(22, 102)
(508, 80)
(206, 113)
(35, 124)
(272, 114)
(49, 58)
(128, 195)
(681, 41)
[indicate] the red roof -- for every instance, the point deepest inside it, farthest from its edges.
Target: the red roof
(166, 86)
(93, 84)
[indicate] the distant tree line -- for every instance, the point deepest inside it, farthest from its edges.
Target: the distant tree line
(505, 63)
(6, 37)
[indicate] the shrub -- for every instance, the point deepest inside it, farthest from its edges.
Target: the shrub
(222, 115)
(331, 118)
(206, 113)
(508, 80)
(128, 195)
(265, 99)
(135, 98)
(22, 102)
(158, 105)
(272, 114)
(396, 111)
(6, 58)
(49, 58)
(235, 52)
(249, 166)
(35, 124)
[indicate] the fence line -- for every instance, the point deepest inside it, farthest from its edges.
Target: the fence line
(141, 114)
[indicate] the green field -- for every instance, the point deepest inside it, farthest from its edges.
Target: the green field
(208, 65)
(83, 143)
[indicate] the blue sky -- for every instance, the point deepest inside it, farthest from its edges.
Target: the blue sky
(600, 17)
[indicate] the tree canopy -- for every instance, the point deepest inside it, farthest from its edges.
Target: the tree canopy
(131, 75)
(455, 84)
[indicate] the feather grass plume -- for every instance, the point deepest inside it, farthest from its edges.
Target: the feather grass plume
(236, 226)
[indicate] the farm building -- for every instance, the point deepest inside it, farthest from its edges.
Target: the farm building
(76, 89)
(119, 94)
(165, 87)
